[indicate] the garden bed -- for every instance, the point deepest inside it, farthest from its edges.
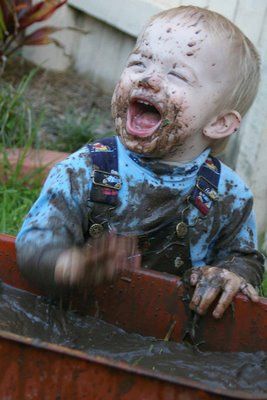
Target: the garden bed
(72, 109)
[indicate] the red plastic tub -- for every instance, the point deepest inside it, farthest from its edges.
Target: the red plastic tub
(144, 302)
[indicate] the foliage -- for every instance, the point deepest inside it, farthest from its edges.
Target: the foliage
(72, 131)
(15, 202)
(16, 16)
(264, 285)
(18, 129)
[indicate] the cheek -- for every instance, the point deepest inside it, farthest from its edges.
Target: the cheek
(189, 113)
(126, 81)
(118, 102)
(122, 90)
(176, 99)
(175, 114)
(119, 107)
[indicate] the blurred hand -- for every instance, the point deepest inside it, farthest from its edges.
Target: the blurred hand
(210, 281)
(102, 259)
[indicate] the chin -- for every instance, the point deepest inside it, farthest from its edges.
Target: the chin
(147, 148)
(157, 143)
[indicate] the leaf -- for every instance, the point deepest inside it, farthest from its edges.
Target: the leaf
(46, 41)
(40, 36)
(39, 12)
(166, 122)
(2, 22)
(9, 16)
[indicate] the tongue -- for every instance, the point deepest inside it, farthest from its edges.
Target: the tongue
(146, 120)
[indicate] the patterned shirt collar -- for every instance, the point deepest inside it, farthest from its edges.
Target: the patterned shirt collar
(162, 168)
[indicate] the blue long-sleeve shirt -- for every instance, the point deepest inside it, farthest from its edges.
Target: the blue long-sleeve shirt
(150, 194)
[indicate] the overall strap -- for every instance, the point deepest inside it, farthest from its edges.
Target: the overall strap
(106, 184)
(106, 181)
(205, 191)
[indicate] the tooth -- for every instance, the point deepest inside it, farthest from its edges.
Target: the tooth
(143, 102)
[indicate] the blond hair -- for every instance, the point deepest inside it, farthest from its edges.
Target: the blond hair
(246, 56)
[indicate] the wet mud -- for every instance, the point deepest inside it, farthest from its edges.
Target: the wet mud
(33, 316)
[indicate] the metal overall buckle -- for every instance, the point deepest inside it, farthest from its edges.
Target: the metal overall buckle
(105, 183)
(182, 227)
(210, 193)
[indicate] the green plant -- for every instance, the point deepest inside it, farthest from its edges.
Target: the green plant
(14, 205)
(264, 285)
(19, 128)
(16, 16)
(72, 131)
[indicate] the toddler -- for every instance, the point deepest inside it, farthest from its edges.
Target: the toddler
(155, 195)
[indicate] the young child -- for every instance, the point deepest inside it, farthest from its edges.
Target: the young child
(155, 190)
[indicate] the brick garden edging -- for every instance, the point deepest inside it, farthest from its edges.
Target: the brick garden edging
(36, 159)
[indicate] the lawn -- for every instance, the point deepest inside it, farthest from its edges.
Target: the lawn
(15, 203)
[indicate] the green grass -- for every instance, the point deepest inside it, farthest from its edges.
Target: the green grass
(18, 128)
(264, 285)
(14, 205)
(73, 131)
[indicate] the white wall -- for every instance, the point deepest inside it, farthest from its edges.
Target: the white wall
(114, 25)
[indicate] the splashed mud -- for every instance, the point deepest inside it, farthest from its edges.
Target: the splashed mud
(36, 317)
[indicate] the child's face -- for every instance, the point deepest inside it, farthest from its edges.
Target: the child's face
(174, 83)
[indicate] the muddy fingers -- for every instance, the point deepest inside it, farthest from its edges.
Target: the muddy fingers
(248, 290)
(207, 300)
(210, 281)
(102, 259)
(195, 276)
(69, 267)
(230, 290)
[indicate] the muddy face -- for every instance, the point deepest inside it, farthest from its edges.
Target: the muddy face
(171, 89)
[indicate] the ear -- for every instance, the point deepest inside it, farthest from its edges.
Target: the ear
(223, 125)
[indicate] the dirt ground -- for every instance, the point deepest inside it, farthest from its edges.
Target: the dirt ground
(57, 92)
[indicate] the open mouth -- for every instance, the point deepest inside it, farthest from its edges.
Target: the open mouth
(143, 118)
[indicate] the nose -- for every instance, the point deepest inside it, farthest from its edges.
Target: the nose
(150, 82)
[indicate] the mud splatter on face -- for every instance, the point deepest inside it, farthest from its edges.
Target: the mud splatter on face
(191, 44)
(168, 136)
(166, 94)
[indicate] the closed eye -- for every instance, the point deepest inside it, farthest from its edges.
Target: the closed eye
(178, 76)
(136, 64)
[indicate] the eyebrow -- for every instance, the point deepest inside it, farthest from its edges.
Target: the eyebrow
(139, 53)
(135, 51)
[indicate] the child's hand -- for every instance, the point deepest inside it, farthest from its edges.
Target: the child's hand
(210, 281)
(100, 260)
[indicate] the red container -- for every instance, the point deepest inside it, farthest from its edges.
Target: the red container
(145, 302)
